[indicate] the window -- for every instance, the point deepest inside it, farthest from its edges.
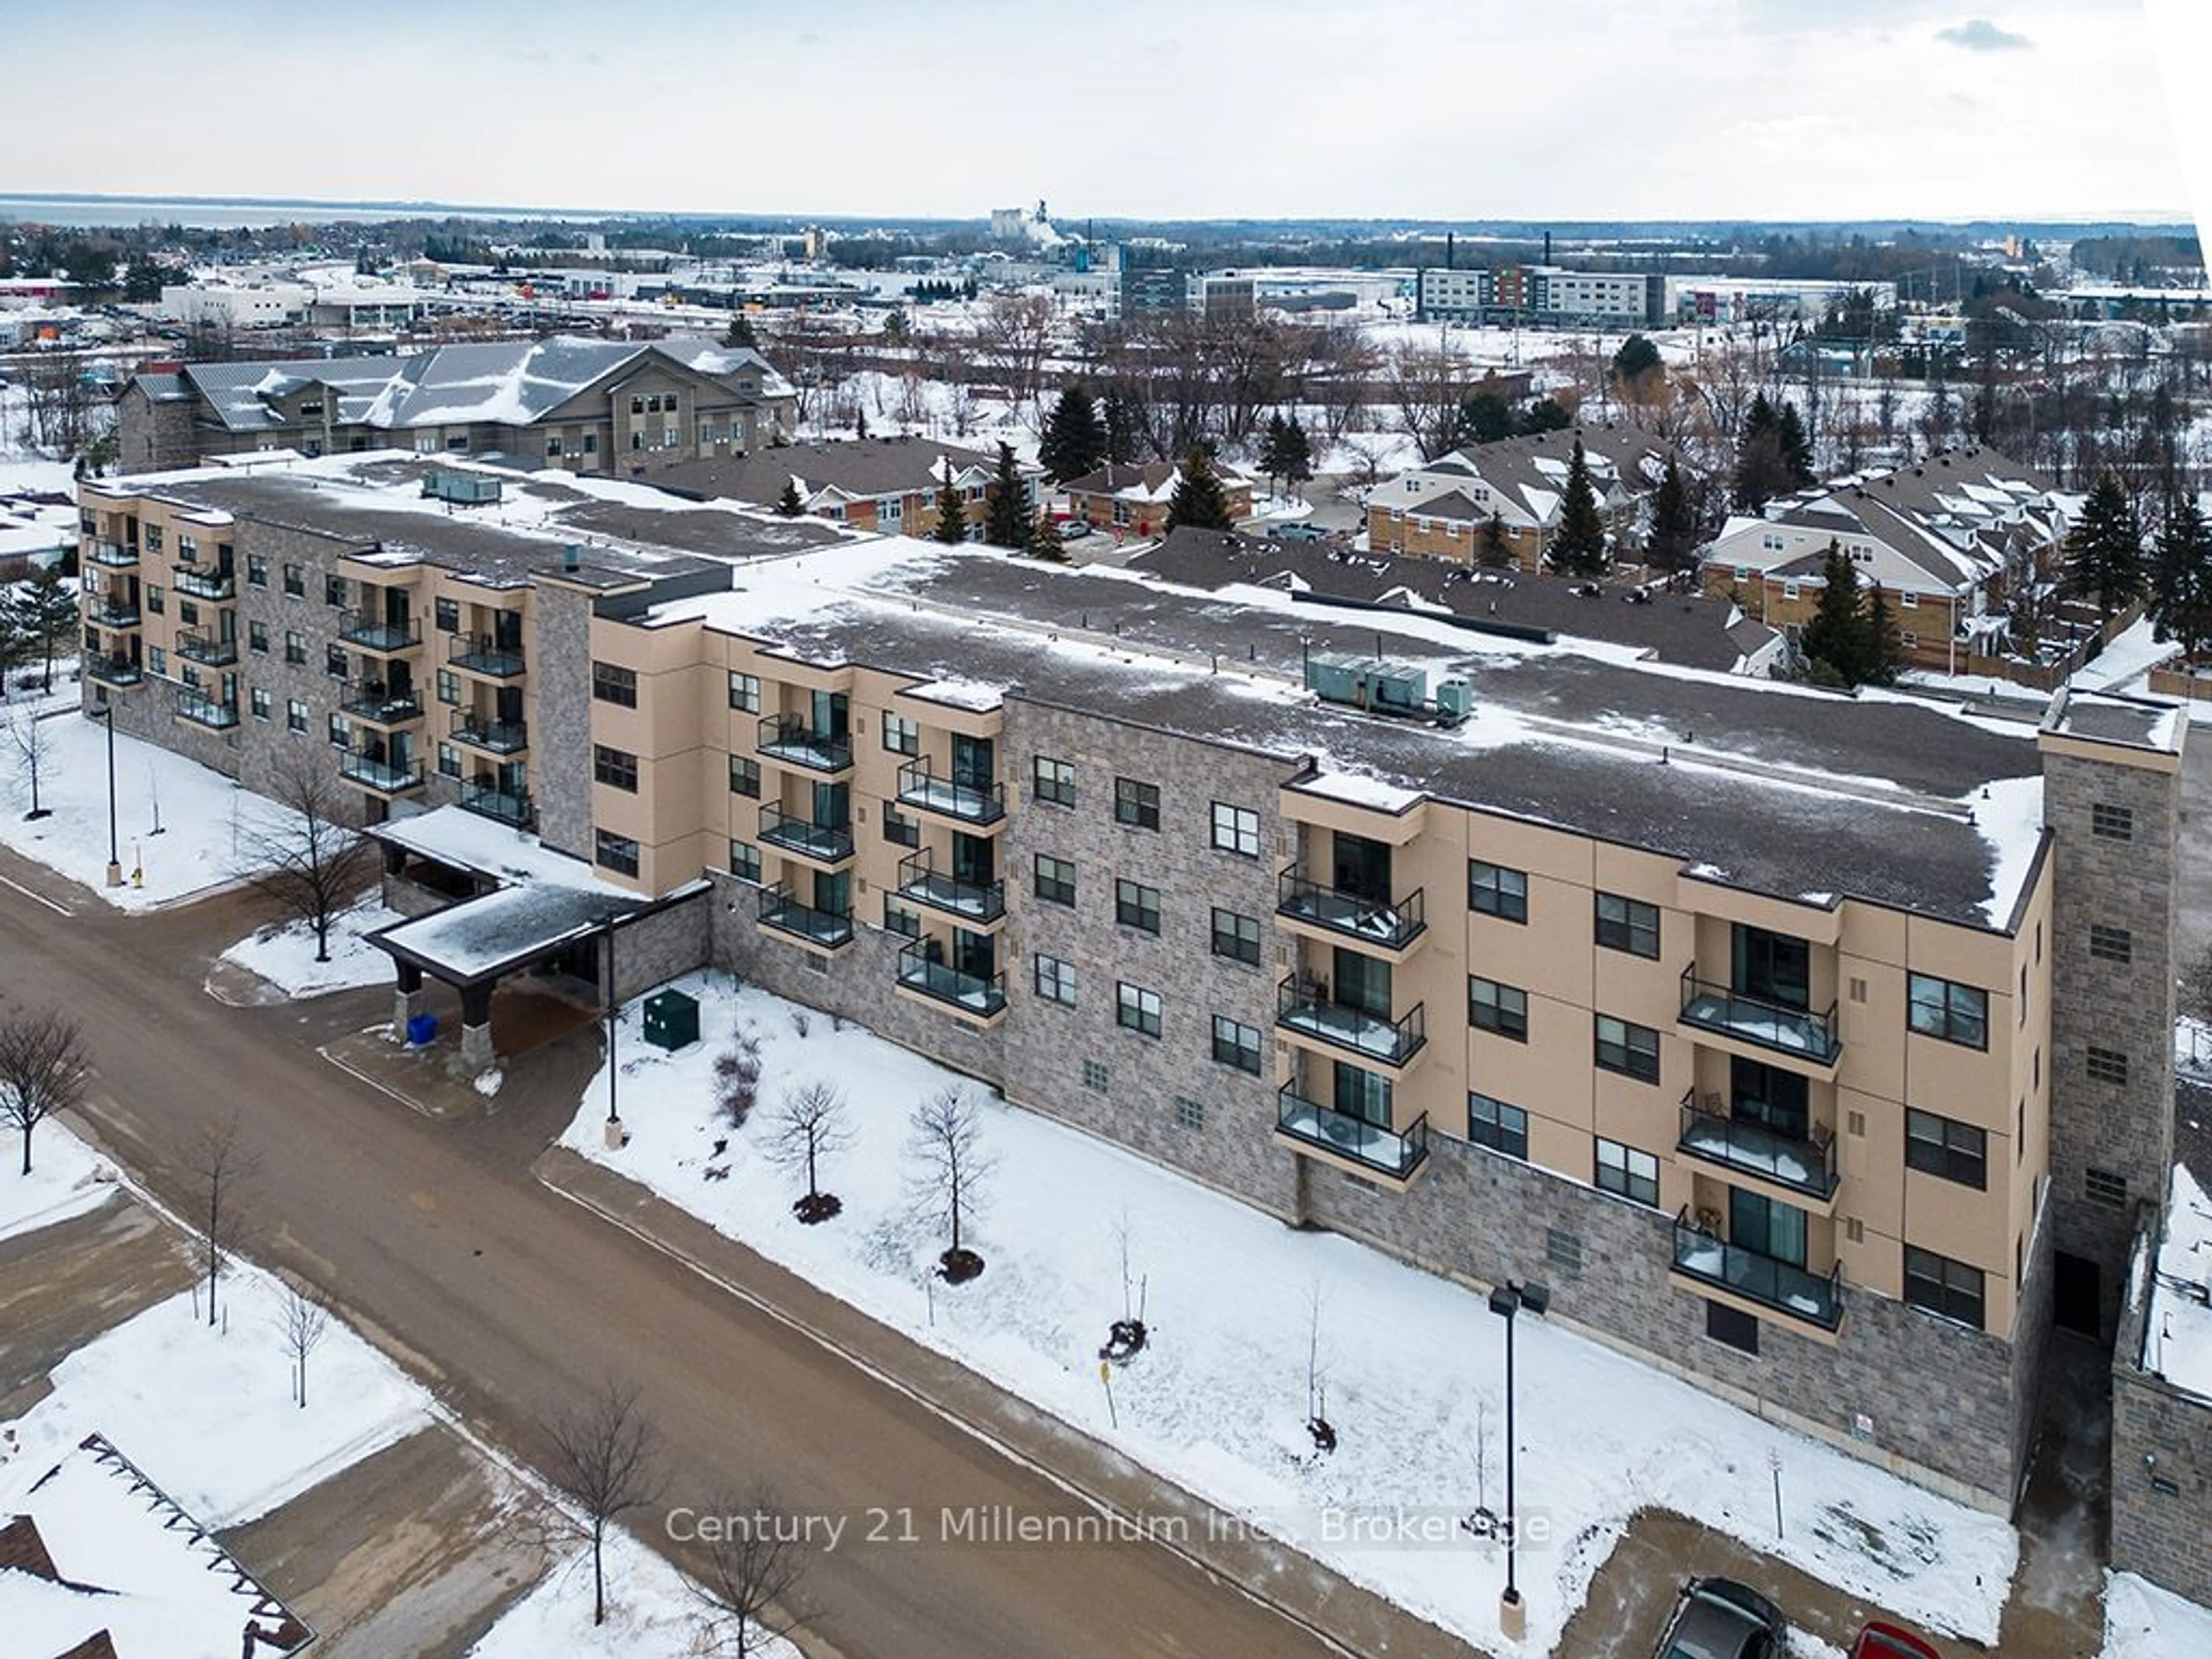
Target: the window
(1055, 781)
(897, 918)
(334, 593)
(1627, 924)
(1236, 829)
(1732, 1326)
(744, 776)
(591, 443)
(1940, 1286)
(2110, 944)
(1626, 1171)
(1500, 1008)
(1189, 1113)
(1136, 905)
(1632, 1050)
(449, 687)
(1495, 890)
(2113, 822)
(295, 648)
(745, 693)
(257, 570)
(257, 637)
(2105, 1186)
(188, 613)
(334, 661)
(1055, 879)
(257, 701)
(1094, 1076)
(155, 604)
(295, 715)
(901, 736)
(1494, 1124)
(745, 857)
(1137, 803)
(615, 684)
(1236, 936)
(446, 613)
(2106, 1065)
(899, 827)
(618, 853)
(1236, 1044)
(615, 767)
(1944, 1146)
(449, 760)
(1563, 1250)
(1136, 1009)
(341, 732)
(1941, 1008)
(295, 581)
(1055, 982)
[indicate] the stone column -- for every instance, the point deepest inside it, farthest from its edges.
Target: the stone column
(476, 1057)
(406, 997)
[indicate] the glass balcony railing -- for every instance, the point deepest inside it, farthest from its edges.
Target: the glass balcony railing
(385, 637)
(206, 648)
(779, 909)
(380, 775)
(382, 704)
(116, 556)
(206, 711)
(1304, 1006)
(1804, 1033)
(970, 901)
(971, 803)
(1380, 922)
(493, 737)
(826, 843)
(972, 994)
(787, 737)
(112, 671)
(1806, 1166)
(1394, 1152)
(1817, 1298)
(112, 613)
(198, 584)
(507, 805)
(481, 653)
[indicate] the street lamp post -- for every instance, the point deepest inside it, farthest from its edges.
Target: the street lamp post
(614, 1130)
(105, 713)
(1506, 1301)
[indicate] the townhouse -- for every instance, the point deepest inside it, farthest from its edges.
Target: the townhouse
(1134, 496)
(1446, 509)
(887, 485)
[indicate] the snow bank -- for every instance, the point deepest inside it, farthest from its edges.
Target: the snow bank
(67, 1178)
(285, 955)
(651, 1612)
(2143, 1621)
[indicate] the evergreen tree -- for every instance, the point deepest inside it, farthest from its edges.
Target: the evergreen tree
(1796, 448)
(1198, 500)
(1884, 647)
(1008, 525)
(1673, 544)
(1495, 552)
(142, 281)
(2103, 553)
(790, 504)
(1125, 426)
(1274, 458)
(1298, 450)
(1075, 441)
(40, 613)
(740, 332)
(1484, 418)
(894, 327)
(1578, 546)
(2181, 578)
(1045, 543)
(1545, 415)
(1762, 471)
(1637, 358)
(951, 527)
(1835, 642)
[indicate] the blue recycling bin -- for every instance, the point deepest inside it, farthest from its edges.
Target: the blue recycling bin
(422, 1031)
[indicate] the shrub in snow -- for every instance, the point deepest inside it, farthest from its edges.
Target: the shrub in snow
(737, 1079)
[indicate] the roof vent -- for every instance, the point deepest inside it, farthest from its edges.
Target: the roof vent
(572, 557)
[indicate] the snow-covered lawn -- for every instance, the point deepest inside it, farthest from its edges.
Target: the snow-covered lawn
(284, 954)
(207, 823)
(67, 1178)
(1218, 1402)
(651, 1612)
(2143, 1621)
(2122, 665)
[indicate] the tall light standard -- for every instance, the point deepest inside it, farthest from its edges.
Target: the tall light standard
(1507, 1300)
(614, 1130)
(105, 713)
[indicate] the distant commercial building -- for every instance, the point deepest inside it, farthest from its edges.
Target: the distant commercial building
(1724, 302)
(1544, 296)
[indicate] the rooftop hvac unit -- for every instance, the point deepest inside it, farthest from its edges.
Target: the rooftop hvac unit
(1368, 683)
(1455, 700)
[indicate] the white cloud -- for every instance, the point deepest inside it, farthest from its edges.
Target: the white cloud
(1979, 34)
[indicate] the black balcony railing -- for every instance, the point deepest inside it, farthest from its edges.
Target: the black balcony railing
(826, 843)
(1304, 1005)
(1394, 1152)
(380, 775)
(1733, 1143)
(112, 671)
(112, 613)
(971, 901)
(481, 653)
(1805, 1033)
(493, 737)
(973, 993)
(970, 803)
(779, 909)
(213, 652)
(116, 556)
(1817, 1298)
(788, 737)
(198, 584)
(369, 634)
(489, 800)
(1390, 925)
(202, 710)
(382, 704)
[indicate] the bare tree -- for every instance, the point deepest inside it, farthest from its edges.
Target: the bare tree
(753, 1565)
(944, 1137)
(1015, 336)
(1424, 383)
(34, 756)
(809, 1126)
(605, 1457)
(218, 1166)
(2196, 1002)
(42, 1070)
(312, 862)
(304, 1321)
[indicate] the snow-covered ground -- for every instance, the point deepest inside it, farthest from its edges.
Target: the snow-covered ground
(2143, 1621)
(651, 1612)
(2177, 1344)
(2124, 664)
(1218, 1401)
(67, 1178)
(284, 953)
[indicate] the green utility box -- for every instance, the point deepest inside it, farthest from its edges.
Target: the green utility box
(672, 1019)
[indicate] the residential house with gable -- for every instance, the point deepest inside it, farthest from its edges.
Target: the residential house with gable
(1133, 497)
(1442, 510)
(888, 484)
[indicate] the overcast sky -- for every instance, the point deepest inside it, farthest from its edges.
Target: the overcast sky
(1446, 109)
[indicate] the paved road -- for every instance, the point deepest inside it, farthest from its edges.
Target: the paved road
(511, 1303)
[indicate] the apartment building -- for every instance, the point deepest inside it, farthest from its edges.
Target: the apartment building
(1544, 296)
(1446, 509)
(1815, 1051)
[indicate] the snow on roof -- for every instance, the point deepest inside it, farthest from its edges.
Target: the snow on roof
(480, 936)
(469, 840)
(1359, 789)
(2177, 1332)
(959, 694)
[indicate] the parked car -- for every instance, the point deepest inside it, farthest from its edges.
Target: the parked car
(1720, 1619)
(1074, 528)
(1880, 1641)
(1296, 532)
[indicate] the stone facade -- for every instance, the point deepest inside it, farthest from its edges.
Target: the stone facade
(652, 949)
(561, 744)
(2161, 1454)
(151, 435)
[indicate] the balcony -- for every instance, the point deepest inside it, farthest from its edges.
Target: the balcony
(968, 802)
(788, 737)
(780, 910)
(381, 704)
(507, 805)
(198, 584)
(112, 613)
(493, 737)
(112, 671)
(1801, 1033)
(385, 638)
(1371, 1146)
(201, 710)
(824, 843)
(481, 653)
(970, 993)
(195, 646)
(380, 777)
(116, 556)
(1376, 923)
(1807, 1167)
(1303, 1007)
(970, 901)
(1816, 1298)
